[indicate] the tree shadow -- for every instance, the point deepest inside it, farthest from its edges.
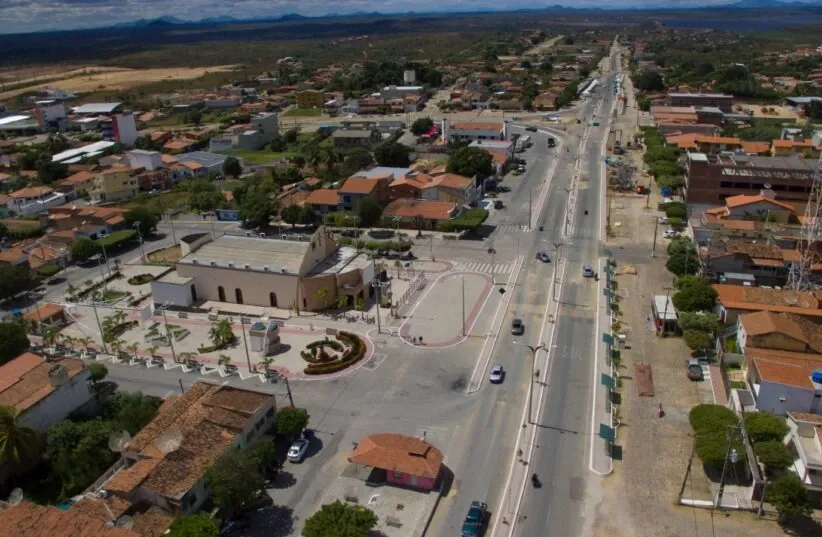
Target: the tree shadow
(315, 445)
(801, 527)
(447, 480)
(282, 480)
(274, 521)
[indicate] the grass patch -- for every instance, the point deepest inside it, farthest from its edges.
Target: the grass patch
(48, 270)
(737, 385)
(304, 112)
(117, 238)
(175, 199)
(140, 279)
(263, 156)
(469, 219)
(111, 295)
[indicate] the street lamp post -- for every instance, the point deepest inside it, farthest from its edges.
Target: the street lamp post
(534, 350)
(136, 226)
(492, 252)
(558, 246)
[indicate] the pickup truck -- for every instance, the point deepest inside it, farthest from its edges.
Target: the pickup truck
(475, 519)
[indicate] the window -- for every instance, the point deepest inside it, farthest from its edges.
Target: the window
(238, 295)
(221, 293)
(272, 299)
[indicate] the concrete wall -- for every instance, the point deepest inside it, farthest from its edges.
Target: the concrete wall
(254, 285)
(172, 293)
(57, 406)
(405, 480)
(191, 245)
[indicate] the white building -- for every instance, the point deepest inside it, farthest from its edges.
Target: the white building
(50, 113)
(398, 92)
(44, 392)
(121, 128)
(469, 131)
(34, 200)
(73, 156)
(141, 158)
(409, 76)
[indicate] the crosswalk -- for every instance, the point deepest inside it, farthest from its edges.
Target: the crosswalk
(496, 268)
(509, 228)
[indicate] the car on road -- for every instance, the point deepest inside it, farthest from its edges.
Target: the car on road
(552, 142)
(517, 327)
(296, 453)
(695, 371)
(587, 271)
(663, 220)
(497, 374)
(503, 188)
(498, 204)
(531, 128)
(670, 234)
(475, 519)
(543, 256)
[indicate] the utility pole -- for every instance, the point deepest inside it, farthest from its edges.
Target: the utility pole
(656, 227)
(463, 306)
(534, 350)
(558, 246)
(99, 326)
(730, 455)
(492, 252)
(288, 389)
(169, 335)
(762, 500)
(245, 343)
(140, 238)
(377, 285)
(530, 205)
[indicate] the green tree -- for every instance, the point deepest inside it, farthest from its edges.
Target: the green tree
(234, 479)
(14, 279)
(130, 411)
(264, 452)
(201, 525)
(204, 196)
(277, 144)
(697, 339)
(291, 214)
(673, 182)
(97, 371)
(291, 421)
(79, 452)
(368, 212)
(392, 154)
(221, 334)
(682, 264)
(340, 519)
(763, 427)
(698, 320)
(257, 209)
(790, 497)
(711, 425)
(13, 340)
(694, 294)
(650, 81)
(145, 218)
(470, 162)
(307, 215)
(290, 136)
(356, 160)
(194, 116)
(774, 455)
(422, 125)
(17, 442)
(814, 110)
(49, 172)
(232, 167)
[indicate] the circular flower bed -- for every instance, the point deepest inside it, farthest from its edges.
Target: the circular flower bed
(140, 279)
(321, 362)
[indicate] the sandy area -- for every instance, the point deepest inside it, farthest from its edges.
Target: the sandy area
(108, 78)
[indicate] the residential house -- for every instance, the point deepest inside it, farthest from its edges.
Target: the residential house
(470, 131)
(718, 100)
(782, 382)
(77, 185)
(166, 462)
(396, 459)
(114, 184)
(752, 217)
(547, 100)
(34, 200)
(264, 128)
(178, 145)
(87, 220)
(35, 520)
(439, 186)
(419, 214)
(45, 392)
(717, 144)
(324, 200)
(356, 137)
(147, 160)
(787, 148)
(4, 206)
(504, 148)
(310, 99)
(764, 260)
(805, 439)
(735, 300)
(357, 188)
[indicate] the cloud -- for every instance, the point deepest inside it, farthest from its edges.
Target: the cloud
(34, 15)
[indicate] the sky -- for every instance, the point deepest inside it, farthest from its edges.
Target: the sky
(18, 16)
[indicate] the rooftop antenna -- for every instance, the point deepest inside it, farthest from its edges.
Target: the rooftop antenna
(800, 273)
(16, 497)
(169, 441)
(118, 442)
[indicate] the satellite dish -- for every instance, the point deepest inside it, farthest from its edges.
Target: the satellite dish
(117, 442)
(16, 497)
(767, 186)
(125, 522)
(169, 441)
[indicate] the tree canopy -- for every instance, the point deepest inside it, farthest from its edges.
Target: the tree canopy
(130, 411)
(13, 340)
(701, 320)
(694, 294)
(17, 441)
(291, 421)
(200, 525)
(79, 452)
(712, 425)
(422, 125)
(470, 162)
(234, 479)
(392, 154)
(232, 167)
(790, 497)
(774, 455)
(650, 81)
(339, 519)
(697, 339)
(14, 279)
(762, 427)
(204, 196)
(83, 249)
(145, 218)
(368, 212)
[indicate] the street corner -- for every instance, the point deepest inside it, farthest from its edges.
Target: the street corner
(447, 312)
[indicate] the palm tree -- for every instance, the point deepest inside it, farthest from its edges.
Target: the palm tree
(84, 342)
(70, 290)
(397, 266)
(17, 441)
(314, 160)
(322, 296)
(152, 350)
(133, 348)
(342, 301)
(66, 340)
(116, 345)
(50, 335)
(264, 363)
(360, 305)
(331, 160)
(223, 359)
(221, 334)
(187, 356)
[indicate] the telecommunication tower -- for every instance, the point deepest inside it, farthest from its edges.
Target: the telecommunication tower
(800, 274)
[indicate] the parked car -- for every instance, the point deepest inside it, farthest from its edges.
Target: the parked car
(475, 519)
(695, 369)
(296, 453)
(531, 128)
(521, 168)
(497, 374)
(498, 204)
(663, 220)
(587, 271)
(503, 188)
(552, 142)
(517, 327)
(670, 234)
(543, 256)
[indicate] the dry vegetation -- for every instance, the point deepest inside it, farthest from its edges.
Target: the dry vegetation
(91, 79)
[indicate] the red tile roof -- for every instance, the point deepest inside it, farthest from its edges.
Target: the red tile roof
(742, 199)
(33, 520)
(359, 185)
(324, 196)
(428, 210)
(24, 383)
(398, 453)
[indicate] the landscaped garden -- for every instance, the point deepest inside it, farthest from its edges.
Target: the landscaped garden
(331, 355)
(140, 279)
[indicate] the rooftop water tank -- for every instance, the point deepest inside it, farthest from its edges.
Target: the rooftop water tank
(816, 377)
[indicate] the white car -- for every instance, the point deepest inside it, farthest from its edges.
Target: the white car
(296, 453)
(670, 234)
(497, 374)
(663, 220)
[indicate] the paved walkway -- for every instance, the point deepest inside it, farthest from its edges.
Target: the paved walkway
(438, 316)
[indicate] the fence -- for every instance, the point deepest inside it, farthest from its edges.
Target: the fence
(415, 286)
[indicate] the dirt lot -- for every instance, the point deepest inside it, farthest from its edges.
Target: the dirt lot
(172, 254)
(106, 78)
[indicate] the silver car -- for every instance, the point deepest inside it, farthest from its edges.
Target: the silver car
(543, 256)
(497, 374)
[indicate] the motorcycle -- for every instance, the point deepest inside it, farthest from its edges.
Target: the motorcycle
(535, 481)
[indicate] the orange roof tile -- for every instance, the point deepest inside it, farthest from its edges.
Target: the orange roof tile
(742, 199)
(791, 143)
(768, 322)
(191, 165)
(702, 139)
(168, 159)
(398, 453)
(411, 208)
(451, 180)
(32, 520)
(359, 185)
(471, 126)
(22, 385)
(324, 196)
(760, 299)
(44, 312)
(790, 372)
(78, 178)
(31, 192)
(756, 147)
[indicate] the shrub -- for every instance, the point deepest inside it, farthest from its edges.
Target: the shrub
(712, 424)
(48, 270)
(353, 354)
(140, 279)
(774, 455)
(762, 427)
(468, 220)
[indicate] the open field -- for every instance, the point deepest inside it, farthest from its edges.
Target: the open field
(110, 78)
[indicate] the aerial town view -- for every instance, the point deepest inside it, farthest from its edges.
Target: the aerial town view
(452, 269)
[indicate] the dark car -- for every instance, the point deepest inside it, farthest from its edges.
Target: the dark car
(531, 128)
(517, 327)
(475, 519)
(552, 142)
